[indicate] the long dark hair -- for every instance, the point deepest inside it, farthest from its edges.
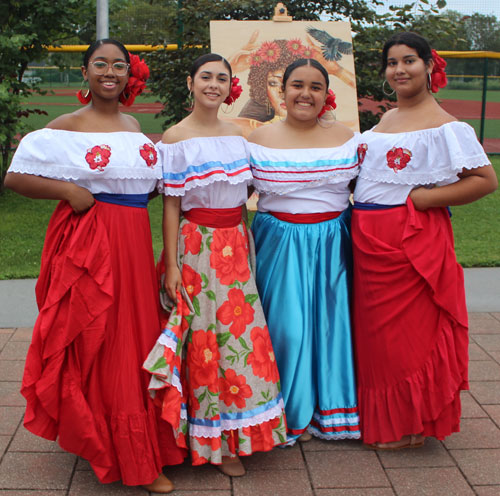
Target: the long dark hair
(105, 41)
(302, 62)
(412, 40)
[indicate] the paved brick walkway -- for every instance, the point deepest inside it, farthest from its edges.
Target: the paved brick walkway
(467, 463)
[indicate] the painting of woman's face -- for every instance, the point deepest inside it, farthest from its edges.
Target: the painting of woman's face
(274, 92)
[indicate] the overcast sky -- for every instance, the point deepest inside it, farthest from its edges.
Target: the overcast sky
(467, 7)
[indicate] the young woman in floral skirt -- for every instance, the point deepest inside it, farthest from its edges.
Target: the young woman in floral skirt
(213, 366)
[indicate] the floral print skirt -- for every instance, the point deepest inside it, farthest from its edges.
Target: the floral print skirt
(213, 368)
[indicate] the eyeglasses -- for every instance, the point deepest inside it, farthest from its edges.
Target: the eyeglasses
(118, 68)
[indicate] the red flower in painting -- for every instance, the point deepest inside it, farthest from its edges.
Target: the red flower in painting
(191, 280)
(262, 357)
(262, 434)
(397, 158)
(362, 149)
(269, 51)
(98, 157)
(192, 238)
(203, 360)
(234, 389)
(236, 310)
(149, 154)
(308, 52)
(229, 256)
(255, 58)
(295, 47)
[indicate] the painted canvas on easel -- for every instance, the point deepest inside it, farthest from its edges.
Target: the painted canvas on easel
(259, 52)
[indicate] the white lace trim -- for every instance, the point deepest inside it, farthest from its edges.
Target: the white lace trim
(337, 420)
(227, 425)
(330, 437)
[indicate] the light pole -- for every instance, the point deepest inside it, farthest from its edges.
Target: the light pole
(102, 19)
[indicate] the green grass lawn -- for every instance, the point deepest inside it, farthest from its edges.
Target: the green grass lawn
(477, 95)
(491, 127)
(24, 222)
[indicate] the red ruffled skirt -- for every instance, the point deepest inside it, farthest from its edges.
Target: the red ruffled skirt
(410, 323)
(99, 317)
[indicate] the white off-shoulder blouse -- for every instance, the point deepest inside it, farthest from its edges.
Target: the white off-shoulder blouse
(117, 162)
(396, 163)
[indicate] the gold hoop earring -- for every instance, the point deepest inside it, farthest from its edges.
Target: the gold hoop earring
(228, 109)
(384, 91)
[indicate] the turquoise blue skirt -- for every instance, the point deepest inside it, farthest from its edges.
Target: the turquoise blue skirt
(304, 281)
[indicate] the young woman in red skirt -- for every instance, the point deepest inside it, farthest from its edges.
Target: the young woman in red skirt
(410, 316)
(99, 311)
(213, 366)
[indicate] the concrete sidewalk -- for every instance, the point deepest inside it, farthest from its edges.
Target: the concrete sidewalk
(467, 463)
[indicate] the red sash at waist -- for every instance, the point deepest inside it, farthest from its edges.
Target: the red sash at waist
(214, 217)
(313, 218)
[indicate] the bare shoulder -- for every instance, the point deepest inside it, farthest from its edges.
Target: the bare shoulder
(341, 131)
(231, 129)
(66, 122)
(263, 134)
(131, 123)
(174, 134)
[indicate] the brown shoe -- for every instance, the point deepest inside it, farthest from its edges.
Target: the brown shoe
(305, 437)
(231, 466)
(413, 441)
(160, 485)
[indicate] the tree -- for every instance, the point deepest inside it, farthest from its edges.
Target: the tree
(25, 26)
(190, 25)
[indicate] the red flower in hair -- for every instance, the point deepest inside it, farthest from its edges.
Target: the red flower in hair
(296, 47)
(270, 51)
(148, 153)
(98, 157)
(308, 52)
(329, 103)
(438, 76)
(235, 92)
(139, 73)
(397, 158)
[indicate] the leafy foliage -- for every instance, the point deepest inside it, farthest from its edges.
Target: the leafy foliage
(190, 25)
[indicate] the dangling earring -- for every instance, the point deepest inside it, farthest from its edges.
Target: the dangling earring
(84, 98)
(228, 109)
(429, 81)
(190, 101)
(384, 91)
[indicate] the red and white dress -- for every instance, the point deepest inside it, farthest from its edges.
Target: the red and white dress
(213, 366)
(98, 303)
(410, 316)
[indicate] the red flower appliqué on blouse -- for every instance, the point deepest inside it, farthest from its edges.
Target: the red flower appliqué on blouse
(398, 158)
(98, 157)
(234, 389)
(262, 357)
(362, 149)
(236, 311)
(149, 154)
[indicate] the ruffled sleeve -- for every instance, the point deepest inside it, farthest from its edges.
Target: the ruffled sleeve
(198, 162)
(428, 156)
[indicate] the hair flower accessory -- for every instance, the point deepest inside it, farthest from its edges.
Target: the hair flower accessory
(438, 76)
(235, 92)
(139, 73)
(329, 103)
